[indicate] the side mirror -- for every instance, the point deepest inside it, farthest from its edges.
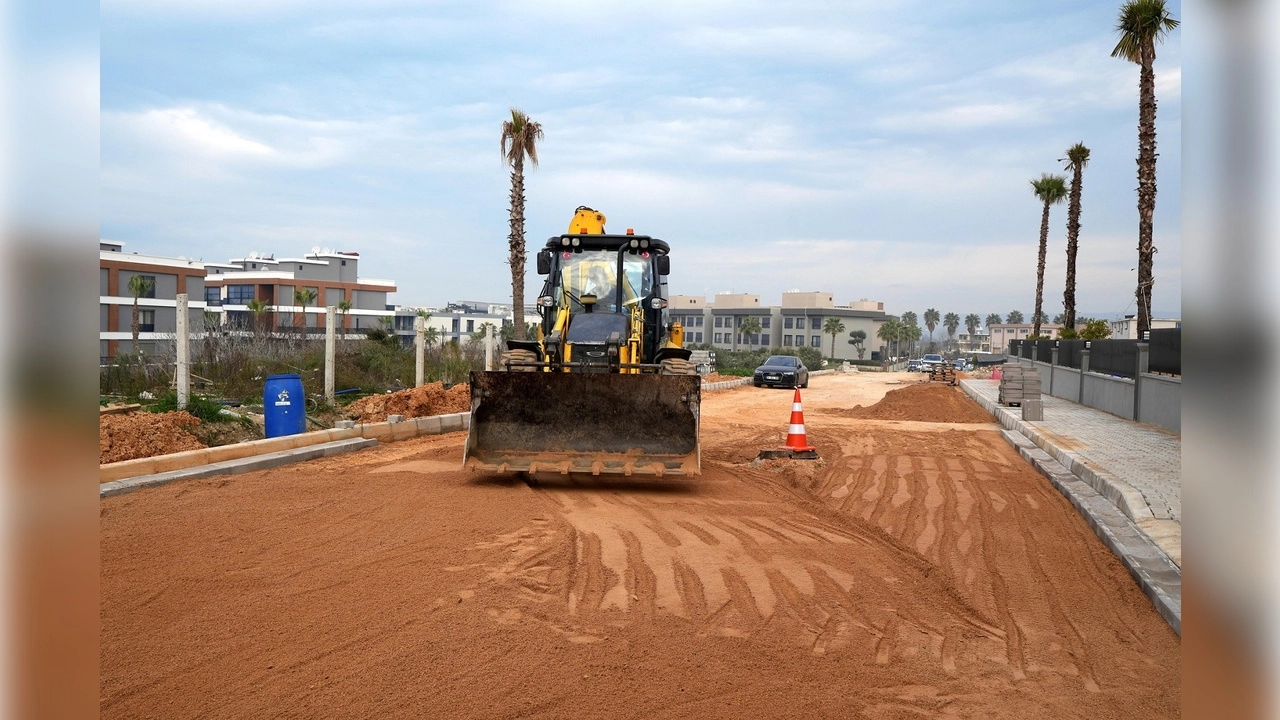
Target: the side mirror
(544, 262)
(664, 265)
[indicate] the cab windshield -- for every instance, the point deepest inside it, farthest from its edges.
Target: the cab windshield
(595, 273)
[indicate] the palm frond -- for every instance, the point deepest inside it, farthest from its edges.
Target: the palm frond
(1141, 22)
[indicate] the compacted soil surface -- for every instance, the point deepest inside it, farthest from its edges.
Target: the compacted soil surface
(920, 569)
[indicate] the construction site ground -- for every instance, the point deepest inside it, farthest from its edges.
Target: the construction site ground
(920, 569)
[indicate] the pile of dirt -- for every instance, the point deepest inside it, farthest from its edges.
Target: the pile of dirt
(423, 401)
(925, 402)
(717, 377)
(139, 435)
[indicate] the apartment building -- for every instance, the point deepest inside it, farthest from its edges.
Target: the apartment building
(977, 342)
(157, 308)
(332, 277)
(1001, 334)
(796, 322)
(457, 320)
(1127, 327)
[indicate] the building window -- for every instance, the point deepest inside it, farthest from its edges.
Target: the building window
(255, 266)
(698, 337)
(764, 322)
(471, 326)
(344, 263)
(815, 323)
(239, 294)
(146, 321)
(815, 341)
(718, 338)
(719, 323)
(213, 296)
(764, 339)
(457, 324)
(786, 341)
(299, 268)
(787, 323)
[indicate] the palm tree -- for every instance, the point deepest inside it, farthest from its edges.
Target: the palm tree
(931, 319)
(1040, 319)
(1077, 158)
(858, 339)
(1051, 189)
(1142, 24)
(890, 330)
(833, 327)
(259, 310)
(520, 137)
(430, 336)
(1015, 317)
(303, 297)
(992, 319)
(907, 321)
(952, 323)
(344, 307)
(971, 323)
(750, 327)
(139, 285)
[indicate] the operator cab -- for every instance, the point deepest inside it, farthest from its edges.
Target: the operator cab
(602, 290)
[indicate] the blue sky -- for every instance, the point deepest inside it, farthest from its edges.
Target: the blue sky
(877, 151)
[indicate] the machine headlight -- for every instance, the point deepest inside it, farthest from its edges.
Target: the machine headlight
(576, 242)
(564, 241)
(657, 303)
(634, 243)
(644, 243)
(546, 301)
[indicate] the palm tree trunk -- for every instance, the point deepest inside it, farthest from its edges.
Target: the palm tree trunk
(1044, 247)
(136, 326)
(515, 246)
(1146, 184)
(1073, 238)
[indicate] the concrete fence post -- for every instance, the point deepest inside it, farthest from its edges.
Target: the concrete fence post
(330, 350)
(1143, 362)
(420, 351)
(1084, 370)
(182, 373)
(488, 349)
(1053, 363)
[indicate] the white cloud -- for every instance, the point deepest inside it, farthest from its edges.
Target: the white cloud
(184, 130)
(962, 117)
(795, 42)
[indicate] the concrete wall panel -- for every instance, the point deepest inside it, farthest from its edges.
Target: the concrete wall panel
(1066, 383)
(1161, 402)
(1114, 395)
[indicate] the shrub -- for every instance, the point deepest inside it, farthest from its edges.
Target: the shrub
(198, 405)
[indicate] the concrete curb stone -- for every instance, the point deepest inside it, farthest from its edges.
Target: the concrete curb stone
(235, 467)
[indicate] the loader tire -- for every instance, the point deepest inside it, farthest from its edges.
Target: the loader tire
(676, 366)
(519, 356)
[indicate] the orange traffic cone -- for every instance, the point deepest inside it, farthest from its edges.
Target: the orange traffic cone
(796, 439)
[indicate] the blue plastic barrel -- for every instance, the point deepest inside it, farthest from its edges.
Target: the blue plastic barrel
(284, 405)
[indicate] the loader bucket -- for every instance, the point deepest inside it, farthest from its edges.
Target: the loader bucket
(584, 423)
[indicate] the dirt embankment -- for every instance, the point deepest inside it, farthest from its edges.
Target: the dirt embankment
(138, 435)
(924, 402)
(423, 401)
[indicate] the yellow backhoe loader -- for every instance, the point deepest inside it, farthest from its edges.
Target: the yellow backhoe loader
(607, 388)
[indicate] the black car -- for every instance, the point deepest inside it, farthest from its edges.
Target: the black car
(782, 370)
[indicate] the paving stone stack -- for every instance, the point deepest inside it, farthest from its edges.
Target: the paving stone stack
(942, 373)
(1021, 386)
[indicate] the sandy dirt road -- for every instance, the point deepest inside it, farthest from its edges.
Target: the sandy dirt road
(921, 569)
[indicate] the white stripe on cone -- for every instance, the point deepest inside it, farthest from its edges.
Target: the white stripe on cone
(795, 430)
(795, 407)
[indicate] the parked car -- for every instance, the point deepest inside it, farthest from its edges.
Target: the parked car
(913, 365)
(783, 371)
(931, 359)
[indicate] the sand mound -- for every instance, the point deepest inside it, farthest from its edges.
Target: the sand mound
(138, 435)
(424, 401)
(926, 402)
